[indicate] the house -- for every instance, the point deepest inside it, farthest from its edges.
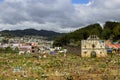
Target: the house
(24, 48)
(115, 48)
(93, 47)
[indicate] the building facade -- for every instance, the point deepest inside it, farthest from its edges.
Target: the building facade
(93, 47)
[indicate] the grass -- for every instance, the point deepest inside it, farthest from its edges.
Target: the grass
(58, 67)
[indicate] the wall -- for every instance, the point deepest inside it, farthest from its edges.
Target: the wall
(87, 48)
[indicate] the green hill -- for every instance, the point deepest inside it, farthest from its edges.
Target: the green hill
(110, 30)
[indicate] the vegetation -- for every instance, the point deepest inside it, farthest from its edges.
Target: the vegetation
(111, 30)
(30, 32)
(9, 50)
(58, 67)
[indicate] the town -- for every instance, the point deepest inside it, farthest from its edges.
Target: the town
(28, 44)
(35, 58)
(40, 45)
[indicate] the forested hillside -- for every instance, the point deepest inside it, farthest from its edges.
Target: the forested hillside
(110, 30)
(30, 32)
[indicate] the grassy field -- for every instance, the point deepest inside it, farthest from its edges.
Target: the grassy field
(58, 67)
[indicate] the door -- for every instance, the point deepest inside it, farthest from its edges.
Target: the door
(93, 54)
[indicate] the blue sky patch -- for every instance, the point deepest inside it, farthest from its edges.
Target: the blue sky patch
(80, 1)
(1, 0)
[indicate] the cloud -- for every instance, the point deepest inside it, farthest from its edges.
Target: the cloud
(56, 15)
(99, 11)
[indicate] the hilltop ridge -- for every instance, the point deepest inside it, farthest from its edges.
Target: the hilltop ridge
(30, 32)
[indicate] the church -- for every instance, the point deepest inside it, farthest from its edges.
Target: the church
(93, 47)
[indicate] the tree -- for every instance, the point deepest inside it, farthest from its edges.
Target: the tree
(116, 32)
(106, 33)
(8, 50)
(5, 41)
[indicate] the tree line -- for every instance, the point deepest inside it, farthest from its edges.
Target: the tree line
(9, 50)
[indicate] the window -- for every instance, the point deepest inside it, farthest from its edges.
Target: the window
(32, 47)
(33, 51)
(93, 45)
(85, 52)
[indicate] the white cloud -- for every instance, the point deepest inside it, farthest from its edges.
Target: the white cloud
(56, 15)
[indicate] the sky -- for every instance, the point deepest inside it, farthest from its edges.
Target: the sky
(56, 15)
(80, 1)
(1, 0)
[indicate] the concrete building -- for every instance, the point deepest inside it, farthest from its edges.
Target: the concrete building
(93, 47)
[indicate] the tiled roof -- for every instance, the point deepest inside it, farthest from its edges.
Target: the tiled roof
(114, 46)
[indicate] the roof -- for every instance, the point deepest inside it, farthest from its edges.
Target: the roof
(25, 48)
(114, 46)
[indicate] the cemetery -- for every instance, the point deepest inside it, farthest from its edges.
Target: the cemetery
(58, 67)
